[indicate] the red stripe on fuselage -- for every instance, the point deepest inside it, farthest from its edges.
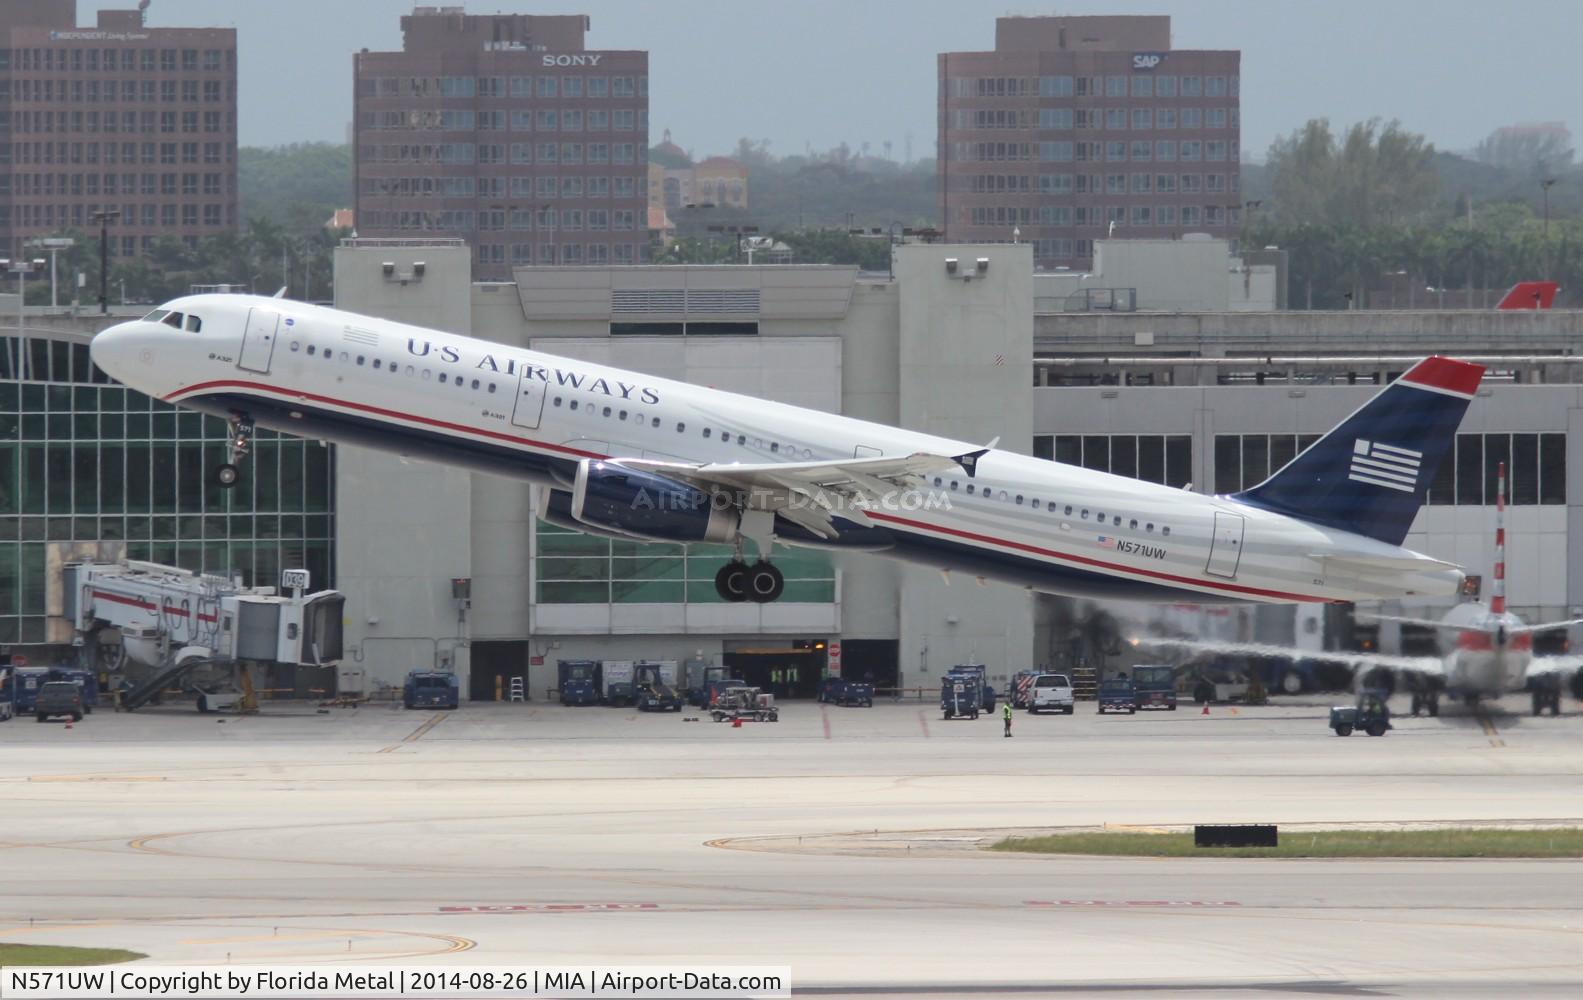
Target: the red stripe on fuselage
(917, 525)
(1086, 561)
(381, 411)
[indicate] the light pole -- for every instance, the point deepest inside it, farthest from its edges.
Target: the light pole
(104, 218)
(22, 268)
(53, 245)
(1544, 186)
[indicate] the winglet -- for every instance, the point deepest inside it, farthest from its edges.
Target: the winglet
(969, 460)
(280, 294)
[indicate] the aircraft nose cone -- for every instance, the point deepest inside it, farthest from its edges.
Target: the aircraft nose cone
(118, 353)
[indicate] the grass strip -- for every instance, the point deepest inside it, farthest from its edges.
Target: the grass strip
(48, 954)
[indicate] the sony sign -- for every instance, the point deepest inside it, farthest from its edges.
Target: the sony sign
(566, 60)
(1147, 60)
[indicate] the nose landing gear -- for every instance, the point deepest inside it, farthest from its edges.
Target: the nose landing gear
(238, 441)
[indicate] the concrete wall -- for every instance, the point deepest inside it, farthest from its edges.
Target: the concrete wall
(965, 350)
(404, 529)
(1185, 275)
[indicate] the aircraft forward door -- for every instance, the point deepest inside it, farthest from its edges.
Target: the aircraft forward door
(529, 408)
(1225, 551)
(258, 340)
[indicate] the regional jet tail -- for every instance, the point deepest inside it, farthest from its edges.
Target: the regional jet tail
(1529, 295)
(626, 454)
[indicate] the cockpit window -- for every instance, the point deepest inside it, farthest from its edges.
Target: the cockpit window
(155, 316)
(194, 324)
(172, 319)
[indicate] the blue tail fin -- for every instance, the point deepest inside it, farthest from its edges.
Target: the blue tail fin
(1371, 473)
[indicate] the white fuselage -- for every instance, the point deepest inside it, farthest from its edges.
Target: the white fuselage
(1487, 655)
(332, 375)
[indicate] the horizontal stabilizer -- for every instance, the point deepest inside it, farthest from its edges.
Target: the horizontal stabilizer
(1395, 564)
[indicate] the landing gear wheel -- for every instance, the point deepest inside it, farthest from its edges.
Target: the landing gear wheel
(731, 582)
(1418, 704)
(1432, 702)
(765, 583)
(239, 441)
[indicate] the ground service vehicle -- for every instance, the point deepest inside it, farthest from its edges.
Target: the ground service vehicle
(654, 692)
(699, 676)
(1052, 693)
(616, 679)
(1021, 688)
(1371, 715)
(578, 681)
(1155, 686)
(58, 698)
(840, 691)
(959, 696)
(739, 701)
(430, 689)
(1117, 695)
(979, 674)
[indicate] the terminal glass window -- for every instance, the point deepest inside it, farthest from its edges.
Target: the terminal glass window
(1166, 459)
(574, 568)
(83, 460)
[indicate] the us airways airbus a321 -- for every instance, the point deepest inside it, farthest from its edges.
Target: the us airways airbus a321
(628, 455)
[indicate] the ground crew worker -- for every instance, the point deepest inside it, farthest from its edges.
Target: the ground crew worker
(1005, 715)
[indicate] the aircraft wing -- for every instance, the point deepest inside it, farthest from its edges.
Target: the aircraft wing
(1364, 616)
(1545, 626)
(1429, 666)
(1544, 665)
(812, 494)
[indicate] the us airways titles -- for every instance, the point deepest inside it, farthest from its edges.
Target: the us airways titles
(549, 376)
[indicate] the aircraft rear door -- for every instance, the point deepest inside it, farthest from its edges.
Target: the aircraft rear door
(258, 340)
(529, 408)
(1225, 551)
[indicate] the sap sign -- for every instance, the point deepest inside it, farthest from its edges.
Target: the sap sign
(1147, 60)
(572, 60)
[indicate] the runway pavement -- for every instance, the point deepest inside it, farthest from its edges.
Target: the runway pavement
(839, 842)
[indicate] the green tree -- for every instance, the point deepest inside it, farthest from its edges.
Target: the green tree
(1368, 176)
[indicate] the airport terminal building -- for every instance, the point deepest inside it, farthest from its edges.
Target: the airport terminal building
(1167, 362)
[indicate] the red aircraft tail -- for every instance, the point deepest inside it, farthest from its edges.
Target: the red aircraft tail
(1529, 295)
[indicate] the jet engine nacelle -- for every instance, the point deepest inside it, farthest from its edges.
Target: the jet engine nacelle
(555, 507)
(648, 505)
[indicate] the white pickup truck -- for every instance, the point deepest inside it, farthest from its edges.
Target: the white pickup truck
(1051, 692)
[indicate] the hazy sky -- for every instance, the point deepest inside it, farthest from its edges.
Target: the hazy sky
(826, 71)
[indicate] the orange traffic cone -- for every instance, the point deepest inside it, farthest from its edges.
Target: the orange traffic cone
(1206, 709)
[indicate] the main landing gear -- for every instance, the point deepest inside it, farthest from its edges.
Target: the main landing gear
(761, 582)
(1427, 702)
(238, 440)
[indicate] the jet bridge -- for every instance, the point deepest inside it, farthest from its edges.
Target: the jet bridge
(156, 627)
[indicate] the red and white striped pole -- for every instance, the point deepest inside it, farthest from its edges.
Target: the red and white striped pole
(1498, 592)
